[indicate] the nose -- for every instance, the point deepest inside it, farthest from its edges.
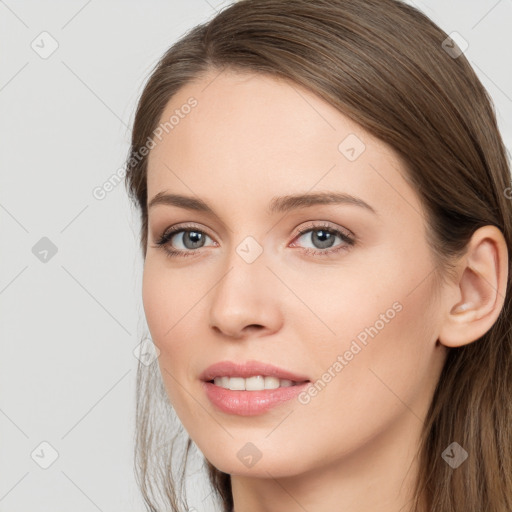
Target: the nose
(246, 301)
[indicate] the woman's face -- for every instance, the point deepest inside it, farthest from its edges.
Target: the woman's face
(351, 304)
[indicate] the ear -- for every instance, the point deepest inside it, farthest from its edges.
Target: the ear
(478, 294)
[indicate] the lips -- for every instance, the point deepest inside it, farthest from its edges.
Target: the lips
(249, 369)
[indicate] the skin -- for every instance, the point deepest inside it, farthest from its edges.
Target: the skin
(251, 138)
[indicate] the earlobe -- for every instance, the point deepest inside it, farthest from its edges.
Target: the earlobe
(479, 291)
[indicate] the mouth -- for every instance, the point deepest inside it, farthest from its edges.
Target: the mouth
(251, 395)
(254, 383)
(250, 375)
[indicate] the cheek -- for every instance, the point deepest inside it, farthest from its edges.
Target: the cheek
(169, 315)
(167, 298)
(162, 311)
(173, 301)
(382, 353)
(155, 302)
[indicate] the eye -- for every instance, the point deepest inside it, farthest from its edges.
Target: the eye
(190, 239)
(323, 237)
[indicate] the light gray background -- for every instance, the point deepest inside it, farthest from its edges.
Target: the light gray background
(70, 325)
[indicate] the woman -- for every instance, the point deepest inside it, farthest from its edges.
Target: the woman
(326, 237)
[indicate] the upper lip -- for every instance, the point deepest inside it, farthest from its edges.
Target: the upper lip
(248, 369)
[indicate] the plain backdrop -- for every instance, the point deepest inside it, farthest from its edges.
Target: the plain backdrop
(70, 273)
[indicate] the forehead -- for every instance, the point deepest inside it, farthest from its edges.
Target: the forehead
(251, 136)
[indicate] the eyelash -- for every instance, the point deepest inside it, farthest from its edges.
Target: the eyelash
(349, 240)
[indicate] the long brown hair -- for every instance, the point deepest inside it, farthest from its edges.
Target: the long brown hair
(388, 67)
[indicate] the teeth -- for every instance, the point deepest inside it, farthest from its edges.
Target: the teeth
(257, 383)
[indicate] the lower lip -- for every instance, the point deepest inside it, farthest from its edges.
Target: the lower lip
(250, 403)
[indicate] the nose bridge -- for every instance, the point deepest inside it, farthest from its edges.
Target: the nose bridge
(244, 295)
(246, 271)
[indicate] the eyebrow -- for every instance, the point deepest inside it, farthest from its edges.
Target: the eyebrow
(280, 204)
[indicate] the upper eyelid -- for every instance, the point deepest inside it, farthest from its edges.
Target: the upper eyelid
(179, 228)
(322, 224)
